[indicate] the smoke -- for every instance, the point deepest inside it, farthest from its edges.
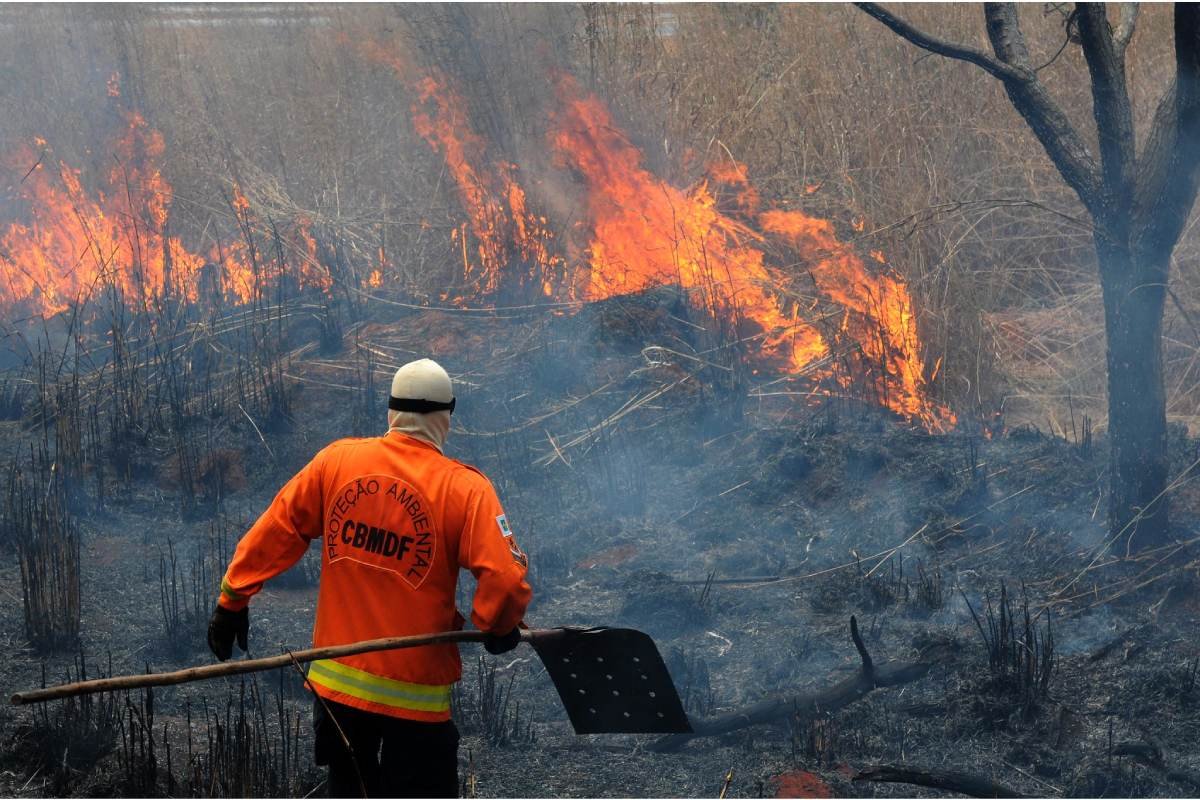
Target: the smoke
(349, 119)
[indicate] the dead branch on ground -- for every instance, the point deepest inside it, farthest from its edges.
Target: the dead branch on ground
(869, 677)
(961, 782)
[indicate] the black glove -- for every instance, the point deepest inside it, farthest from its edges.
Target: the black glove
(502, 644)
(224, 626)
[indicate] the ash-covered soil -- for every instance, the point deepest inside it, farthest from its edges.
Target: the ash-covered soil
(657, 482)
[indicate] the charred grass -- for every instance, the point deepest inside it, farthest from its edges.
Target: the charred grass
(739, 533)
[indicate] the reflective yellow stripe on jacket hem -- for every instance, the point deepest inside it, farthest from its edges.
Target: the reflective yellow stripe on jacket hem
(228, 591)
(385, 691)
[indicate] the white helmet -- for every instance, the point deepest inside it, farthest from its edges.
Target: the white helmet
(421, 401)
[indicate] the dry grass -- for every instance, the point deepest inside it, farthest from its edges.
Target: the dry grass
(929, 153)
(832, 114)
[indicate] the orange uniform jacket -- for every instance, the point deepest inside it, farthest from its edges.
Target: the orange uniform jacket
(396, 520)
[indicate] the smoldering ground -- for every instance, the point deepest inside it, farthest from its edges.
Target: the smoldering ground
(810, 512)
(658, 466)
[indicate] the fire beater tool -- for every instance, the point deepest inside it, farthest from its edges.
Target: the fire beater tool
(610, 680)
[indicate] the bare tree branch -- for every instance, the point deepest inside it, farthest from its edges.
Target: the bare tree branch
(1028, 95)
(1112, 110)
(960, 782)
(940, 47)
(1155, 157)
(1171, 162)
(1044, 116)
(1124, 31)
(871, 676)
(1004, 32)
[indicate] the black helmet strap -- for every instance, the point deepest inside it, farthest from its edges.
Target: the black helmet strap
(420, 406)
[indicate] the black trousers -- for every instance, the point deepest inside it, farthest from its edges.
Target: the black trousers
(395, 757)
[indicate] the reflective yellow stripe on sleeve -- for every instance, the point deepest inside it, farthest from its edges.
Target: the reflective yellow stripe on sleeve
(385, 691)
(228, 591)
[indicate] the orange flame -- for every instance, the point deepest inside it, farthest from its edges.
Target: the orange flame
(733, 174)
(879, 313)
(76, 243)
(503, 227)
(495, 203)
(643, 232)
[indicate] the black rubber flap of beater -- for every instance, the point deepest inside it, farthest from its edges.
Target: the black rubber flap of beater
(613, 680)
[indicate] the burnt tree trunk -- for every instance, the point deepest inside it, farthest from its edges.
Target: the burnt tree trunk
(1139, 203)
(1134, 296)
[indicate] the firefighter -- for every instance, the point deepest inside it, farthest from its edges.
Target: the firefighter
(395, 520)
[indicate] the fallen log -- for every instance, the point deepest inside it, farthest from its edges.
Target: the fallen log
(961, 782)
(780, 706)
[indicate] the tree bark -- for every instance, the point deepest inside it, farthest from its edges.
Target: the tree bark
(1134, 299)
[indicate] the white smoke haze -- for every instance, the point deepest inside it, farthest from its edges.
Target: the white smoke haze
(666, 463)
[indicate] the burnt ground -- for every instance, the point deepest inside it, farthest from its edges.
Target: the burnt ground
(736, 521)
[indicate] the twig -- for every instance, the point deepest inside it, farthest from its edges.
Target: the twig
(725, 785)
(1034, 778)
(41, 155)
(316, 789)
(693, 509)
(362, 784)
(557, 451)
(256, 430)
(36, 772)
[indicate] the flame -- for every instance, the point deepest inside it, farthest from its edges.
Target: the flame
(75, 243)
(240, 203)
(439, 118)
(643, 232)
(879, 316)
(246, 275)
(714, 238)
(498, 216)
(732, 174)
(503, 227)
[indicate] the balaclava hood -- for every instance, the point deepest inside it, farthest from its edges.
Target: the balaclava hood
(422, 380)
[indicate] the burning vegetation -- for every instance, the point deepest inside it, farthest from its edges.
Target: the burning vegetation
(76, 245)
(637, 232)
(718, 407)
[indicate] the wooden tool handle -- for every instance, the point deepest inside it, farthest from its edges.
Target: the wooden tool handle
(259, 664)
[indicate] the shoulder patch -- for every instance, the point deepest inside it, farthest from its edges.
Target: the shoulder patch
(514, 549)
